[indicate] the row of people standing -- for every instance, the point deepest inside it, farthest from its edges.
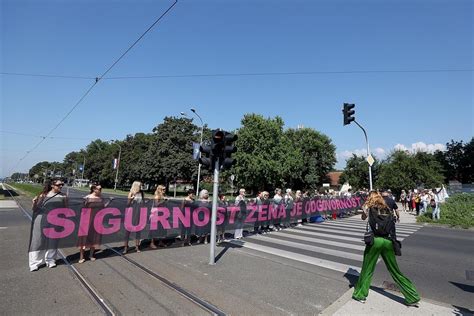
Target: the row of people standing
(136, 200)
(419, 201)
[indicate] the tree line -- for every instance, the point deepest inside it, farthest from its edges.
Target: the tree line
(268, 156)
(404, 170)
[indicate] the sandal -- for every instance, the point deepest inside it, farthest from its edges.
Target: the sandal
(82, 260)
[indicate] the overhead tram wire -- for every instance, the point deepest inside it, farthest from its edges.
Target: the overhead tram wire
(40, 136)
(44, 75)
(249, 74)
(97, 79)
(295, 73)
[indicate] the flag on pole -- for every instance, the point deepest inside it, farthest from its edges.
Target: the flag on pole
(196, 150)
(115, 163)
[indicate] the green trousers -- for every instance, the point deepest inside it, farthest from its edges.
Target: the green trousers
(371, 254)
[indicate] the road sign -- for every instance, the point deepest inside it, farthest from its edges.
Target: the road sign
(370, 160)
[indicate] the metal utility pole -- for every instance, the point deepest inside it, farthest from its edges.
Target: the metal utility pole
(215, 192)
(200, 143)
(369, 156)
(118, 167)
(348, 112)
(83, 167)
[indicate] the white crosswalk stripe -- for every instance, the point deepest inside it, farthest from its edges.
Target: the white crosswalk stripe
(335, 245)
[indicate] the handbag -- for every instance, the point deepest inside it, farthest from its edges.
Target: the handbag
(397, 247)
(368, 236)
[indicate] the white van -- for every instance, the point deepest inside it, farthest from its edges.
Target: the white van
(80, 183)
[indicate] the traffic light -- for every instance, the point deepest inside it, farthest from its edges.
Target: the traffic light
(221, 147)
(229, 149)
(348, 112)
(206, 158)
(218, 142)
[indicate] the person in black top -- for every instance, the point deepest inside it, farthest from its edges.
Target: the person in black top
(392, 205)
(381, 222)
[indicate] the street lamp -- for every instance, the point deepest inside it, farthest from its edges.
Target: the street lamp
(200, 143)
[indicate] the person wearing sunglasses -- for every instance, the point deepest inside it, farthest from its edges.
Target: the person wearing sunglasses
(44, 251)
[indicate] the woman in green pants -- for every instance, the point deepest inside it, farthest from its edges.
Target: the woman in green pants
(382, 245)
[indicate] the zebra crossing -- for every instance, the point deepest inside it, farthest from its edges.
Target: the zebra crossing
(335, 245)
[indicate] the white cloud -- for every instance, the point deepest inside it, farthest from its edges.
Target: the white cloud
(379, 152)
(421, 146)
(346, 154)
(400, 147)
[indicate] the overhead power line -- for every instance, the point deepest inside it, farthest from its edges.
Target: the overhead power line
(40, 136)
(97, 79)
(249, 74)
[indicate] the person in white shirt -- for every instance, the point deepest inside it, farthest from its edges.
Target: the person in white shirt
(240, 201)
(437, 202)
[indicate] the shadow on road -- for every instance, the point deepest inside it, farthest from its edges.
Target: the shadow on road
(394, 297)
(462, 311)
(226, 246)
(464, 287)
(8, 193)
(351, 276)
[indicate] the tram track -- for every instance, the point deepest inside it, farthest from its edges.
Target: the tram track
(104, 304)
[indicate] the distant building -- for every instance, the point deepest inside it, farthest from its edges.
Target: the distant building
(334, 177)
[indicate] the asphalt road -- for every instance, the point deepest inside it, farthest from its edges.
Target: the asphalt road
(244, 281)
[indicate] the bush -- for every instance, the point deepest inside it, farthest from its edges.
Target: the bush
(457, 211)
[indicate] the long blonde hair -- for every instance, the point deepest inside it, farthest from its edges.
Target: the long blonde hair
(136, 187)
(160, 192)
(376, 203)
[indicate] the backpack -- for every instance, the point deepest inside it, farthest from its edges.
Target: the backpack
(382, 225)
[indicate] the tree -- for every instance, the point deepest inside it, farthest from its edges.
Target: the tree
(41, 171)
(356, 172)
(467, 163)
(169, 155)
(401, 170)
(457, 161)
(259, 152)
(318, 157)
(133, 158)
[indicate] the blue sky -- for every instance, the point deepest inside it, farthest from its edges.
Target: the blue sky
(82, 38)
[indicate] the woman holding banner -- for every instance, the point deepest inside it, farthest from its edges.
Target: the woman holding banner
(44, 251)
(95, 203)
(158, 199)
(135, 200)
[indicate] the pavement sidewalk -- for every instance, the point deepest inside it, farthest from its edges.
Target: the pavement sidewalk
(385, 302)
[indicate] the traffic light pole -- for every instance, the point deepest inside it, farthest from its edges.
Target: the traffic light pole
(368, 153)
(215, 192)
